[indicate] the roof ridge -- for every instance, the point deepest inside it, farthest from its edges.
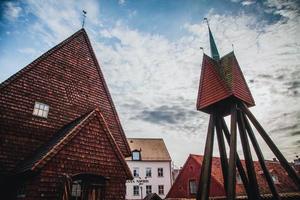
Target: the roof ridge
(107, 93)
(113, 142)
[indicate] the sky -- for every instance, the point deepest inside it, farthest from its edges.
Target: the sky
(149, 52)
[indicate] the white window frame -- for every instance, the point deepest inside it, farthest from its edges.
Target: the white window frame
(148, 189)
(136, 155)
(40, 109)
(148, 172)
(160, 172)
(136, 190)
(136, 172)
(161, 189)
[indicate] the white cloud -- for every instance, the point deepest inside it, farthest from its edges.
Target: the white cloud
(12, 11)
(121, 2)
(248, 2)
(28, 50)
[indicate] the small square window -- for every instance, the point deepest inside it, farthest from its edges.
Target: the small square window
(136, 155)
(41, 109)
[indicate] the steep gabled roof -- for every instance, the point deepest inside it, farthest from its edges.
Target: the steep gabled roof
(221, 79)
(212, 87)
(43, 155)
(114, 121)
(152, 149)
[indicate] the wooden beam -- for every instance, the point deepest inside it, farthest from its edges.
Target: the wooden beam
(261, 159)
(204, 182)
(238, 160)
(285, 164)
(232, 155)
(222, 150)
(253, 186)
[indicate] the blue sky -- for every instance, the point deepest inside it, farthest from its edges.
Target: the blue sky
(149, 53)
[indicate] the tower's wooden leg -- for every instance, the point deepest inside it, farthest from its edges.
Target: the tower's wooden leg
(222, 150)
(231, 180)
(204, 182)
(261, 159)
(238, 160)
(285, 164)
(253, 186)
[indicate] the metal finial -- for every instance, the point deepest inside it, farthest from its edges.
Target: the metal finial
(232, 47)
(205, 19)
(202, 49)
(84, 16)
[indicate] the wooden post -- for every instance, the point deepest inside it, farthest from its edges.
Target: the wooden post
(204, 182)
(284, 163)
(232, 155)
(238, 160)
(253, 186)
(261, 159)
(222, 150)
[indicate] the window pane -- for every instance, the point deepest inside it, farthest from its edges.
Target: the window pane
(135, 155)
(148, 189)
(35, 111)
(46, 107)
(193, 188)
(136, 190)
(148, 172)
(161, 189)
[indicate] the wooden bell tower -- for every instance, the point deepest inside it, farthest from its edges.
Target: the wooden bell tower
(223, 91)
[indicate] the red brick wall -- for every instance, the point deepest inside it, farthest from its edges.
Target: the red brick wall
(68, 81)
(88, 152)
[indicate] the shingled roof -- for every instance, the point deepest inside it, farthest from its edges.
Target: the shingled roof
(68, 78)
(62, 138)
(152, 149)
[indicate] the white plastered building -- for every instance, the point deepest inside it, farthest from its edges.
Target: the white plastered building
(150, 165)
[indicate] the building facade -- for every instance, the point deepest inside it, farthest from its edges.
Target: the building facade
(150, 165)
(60, 134)
(186, 184)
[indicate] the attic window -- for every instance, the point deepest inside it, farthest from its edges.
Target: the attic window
(136, 155)
(40, 109)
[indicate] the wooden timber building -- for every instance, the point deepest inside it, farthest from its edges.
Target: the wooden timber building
(60, 134)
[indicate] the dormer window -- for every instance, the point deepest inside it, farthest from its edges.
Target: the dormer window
(41, 109)
(136, 155)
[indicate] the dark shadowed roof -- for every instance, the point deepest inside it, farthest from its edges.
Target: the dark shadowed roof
(151, 148)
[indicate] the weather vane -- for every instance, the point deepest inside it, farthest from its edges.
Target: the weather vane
(84, 16)
(205, 19)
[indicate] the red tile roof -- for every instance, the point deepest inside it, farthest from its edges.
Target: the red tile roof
(284, 184)
(221, 80)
